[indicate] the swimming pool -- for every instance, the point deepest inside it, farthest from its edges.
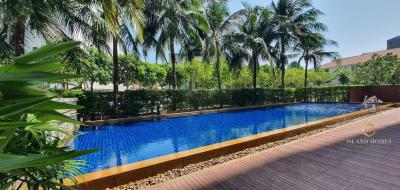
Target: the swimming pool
(129, 143)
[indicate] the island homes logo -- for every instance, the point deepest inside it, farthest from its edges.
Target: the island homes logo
(369, 130)
(370, 138)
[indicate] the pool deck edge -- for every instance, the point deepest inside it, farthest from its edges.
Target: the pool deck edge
(130, 172)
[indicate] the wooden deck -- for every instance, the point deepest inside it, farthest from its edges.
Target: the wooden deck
(335, 159)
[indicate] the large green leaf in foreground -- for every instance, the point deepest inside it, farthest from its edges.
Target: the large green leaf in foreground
(11, 162)
(31, 147)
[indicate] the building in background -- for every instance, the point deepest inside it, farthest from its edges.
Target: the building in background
(350, 61)
(393, 43)
(393, 47)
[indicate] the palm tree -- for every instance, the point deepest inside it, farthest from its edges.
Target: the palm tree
(151, 11)
(192, 47)
(235, 55)
(220, 23)
(290, 17)
(250, 36)
(178, 20)
(51, 20)
(312, 47)
(119, 18)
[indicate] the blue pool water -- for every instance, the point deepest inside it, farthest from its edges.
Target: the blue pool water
(129, 143)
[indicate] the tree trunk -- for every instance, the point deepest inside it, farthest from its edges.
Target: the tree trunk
(305, 80)
(67, 84)
(193, 82)
(283, 76)
(283, 60)
(20, 36)
(91, 86)
(173, 62)
(254, 60)
(218, 69)
(63, 85)
(115, 74)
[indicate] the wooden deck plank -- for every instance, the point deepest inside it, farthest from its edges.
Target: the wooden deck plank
(322, 161)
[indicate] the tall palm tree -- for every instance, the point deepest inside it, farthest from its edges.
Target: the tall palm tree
(312, 50)
(250, 36)
(221, 23)
(289, 17)
(178, 20)
(311, 46)
(120, 17)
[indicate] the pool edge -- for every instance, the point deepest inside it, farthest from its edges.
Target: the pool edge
(130, 172)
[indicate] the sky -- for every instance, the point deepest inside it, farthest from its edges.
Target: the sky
(359, 26)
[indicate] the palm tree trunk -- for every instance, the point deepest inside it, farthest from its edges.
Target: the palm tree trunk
(173, 62)
(282, 73)
(283, 95)
(283, 76)
(218, 69)
(91, 86)
(254, 60)
(283, 60)
(305, 80)
(67, 84)
(193, 81)
(115, 74)
(20, 36)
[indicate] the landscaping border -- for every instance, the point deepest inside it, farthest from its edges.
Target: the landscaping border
(130, 172)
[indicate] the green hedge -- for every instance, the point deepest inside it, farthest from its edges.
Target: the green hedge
(141, 102)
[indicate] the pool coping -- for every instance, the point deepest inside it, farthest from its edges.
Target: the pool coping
(178, 114)
(124, 174)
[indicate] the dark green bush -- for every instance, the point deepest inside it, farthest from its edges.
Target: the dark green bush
(141, 102)
(67, 93)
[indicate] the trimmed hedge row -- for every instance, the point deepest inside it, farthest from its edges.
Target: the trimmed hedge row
(141, 102)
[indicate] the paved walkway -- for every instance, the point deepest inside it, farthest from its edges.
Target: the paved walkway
(335, 159)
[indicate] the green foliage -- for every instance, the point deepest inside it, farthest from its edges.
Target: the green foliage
(40, 18)
(154, 73)
(319, 77)
(199, 74)
(133, 70)
(181, 78)
(133, 103)
(294, 77)
(243, 79)
(377, 71)
(32, 146)
(295, 64)
(97, 67)
(325, 94)
(67, 93)
(342, 75)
